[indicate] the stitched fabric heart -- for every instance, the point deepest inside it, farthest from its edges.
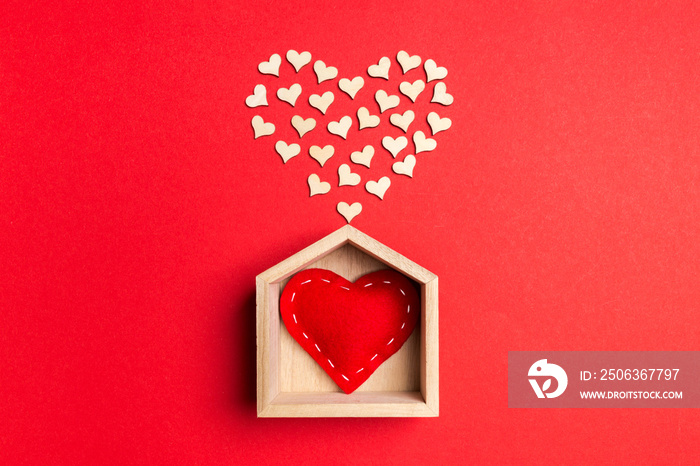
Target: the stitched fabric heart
(323, 115)
(348, 328)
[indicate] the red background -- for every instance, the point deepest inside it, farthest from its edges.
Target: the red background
(560, 211)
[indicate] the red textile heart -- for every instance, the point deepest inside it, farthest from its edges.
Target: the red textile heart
(350, 329)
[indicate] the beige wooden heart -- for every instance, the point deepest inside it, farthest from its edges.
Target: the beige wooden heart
(380, 70)
(386, 101)
(407, 62)
(394, 146)
(260, 128)
(321, 102)
(298, 60)
(412, 91)
(347, 177)
(271, 66)
(287, 151)
(438, 124)
(289, 95)
(433, 72)
(365, 119)
(406, 166)
(323, 72)
(422, 143)
(316, 186)
(440, 94)
(351, 87)
(303, 126)
(363, 157)
(403, 121)
(321, 154)
(349, 211)
(378, 188)
(258, 98)
(340, 128)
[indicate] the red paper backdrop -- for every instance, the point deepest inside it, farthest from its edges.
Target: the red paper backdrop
(561, 212)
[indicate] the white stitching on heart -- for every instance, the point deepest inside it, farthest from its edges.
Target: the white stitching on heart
(319, 349)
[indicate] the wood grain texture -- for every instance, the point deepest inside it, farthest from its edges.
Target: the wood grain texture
(291, 384)
(380, 252)
(306, 256)
(363, 404)
(430, 359)
(267, 342)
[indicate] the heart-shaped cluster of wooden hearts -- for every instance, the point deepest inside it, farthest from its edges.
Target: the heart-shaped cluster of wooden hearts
(358, 114)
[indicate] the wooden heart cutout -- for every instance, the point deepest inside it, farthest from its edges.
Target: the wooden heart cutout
(423, 143)
(349, 211)
(321, 102)
(302, 125)
(258, 98)
(261, 128)
(380, 70)
(316, 186)
(403, 121)
(321, 154)
(412, 91)
(394, 146)
(289, 95)
(406, 166)
(351, 87)
(346, 177)
(365, 119)
(298, 60)
(363, 157)
(407, 62)
(287, 151)
(378, 188)
(271, 66)
(340, 128)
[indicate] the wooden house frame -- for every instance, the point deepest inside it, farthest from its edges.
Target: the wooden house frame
(291, 384)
